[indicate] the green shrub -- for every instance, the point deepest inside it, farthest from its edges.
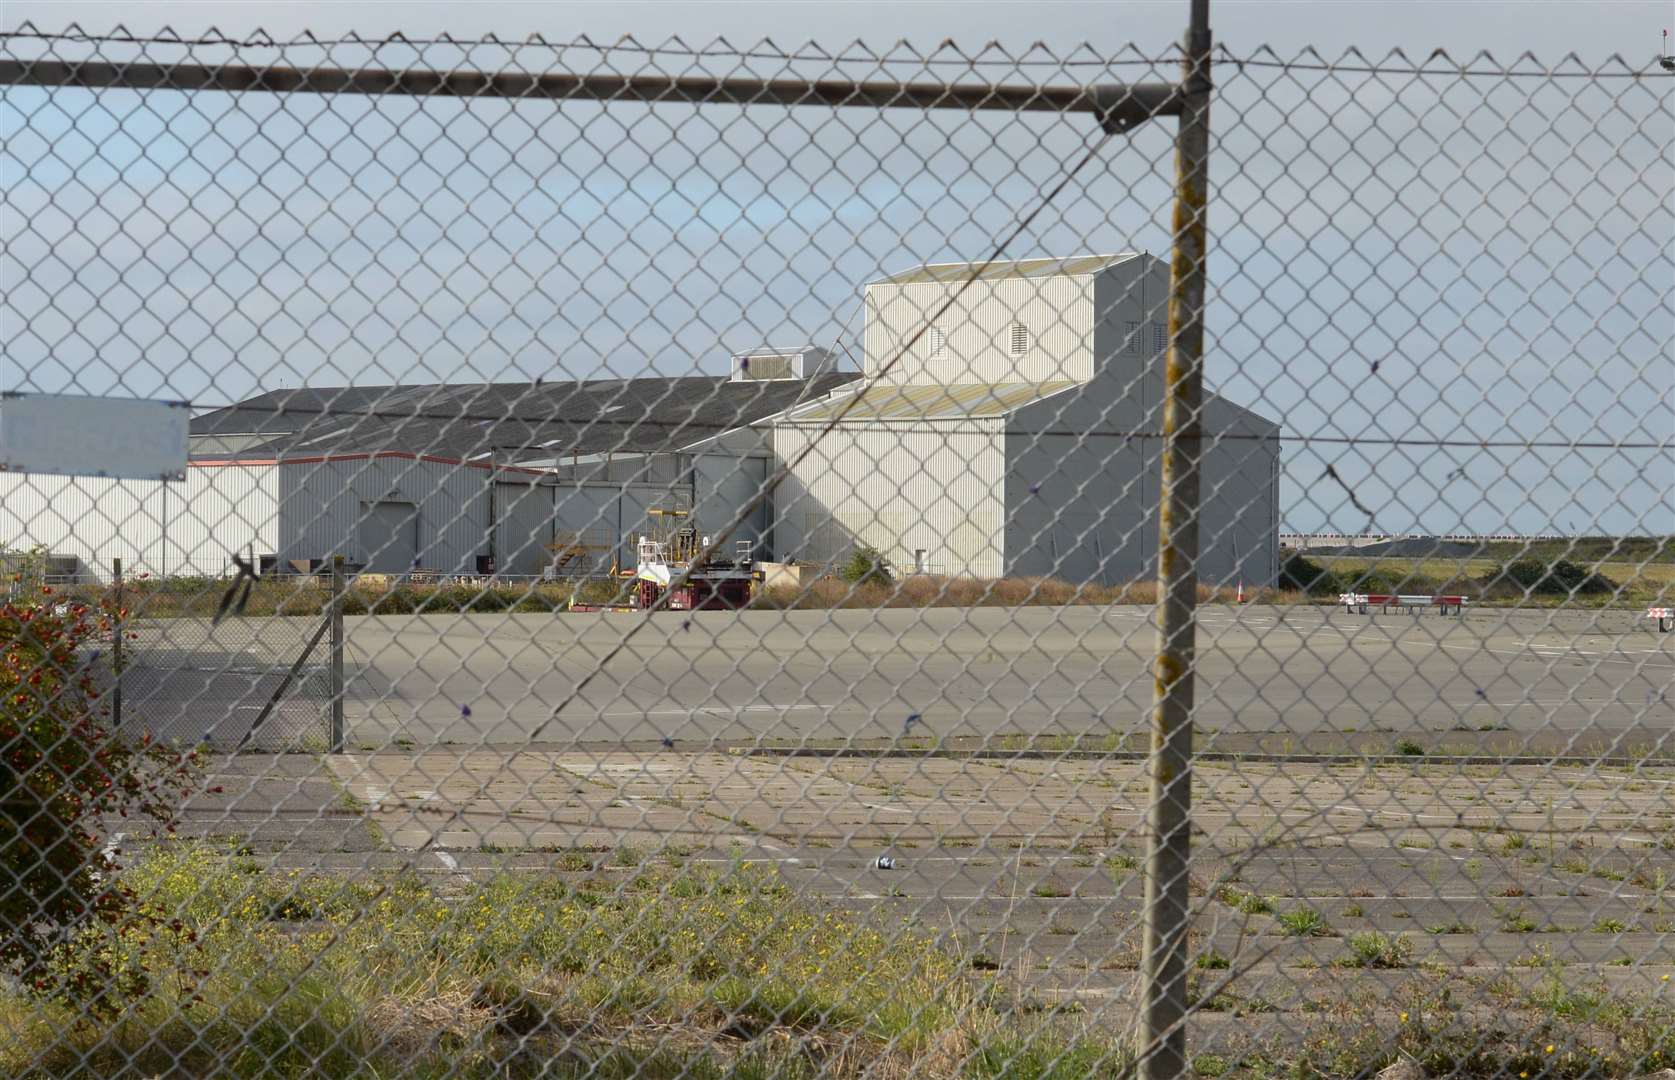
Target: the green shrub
(354, 603)
(1560, 578)
(867, 566)
(64, 775)
(397, 601)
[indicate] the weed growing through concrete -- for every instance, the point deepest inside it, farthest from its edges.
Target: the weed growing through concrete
(1372, 949)
(1304, 922)
(669, 973)
(1246, 902)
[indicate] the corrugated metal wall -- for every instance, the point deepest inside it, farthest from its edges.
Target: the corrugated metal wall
(524, 526)
(930, 487)
(1058, 313)
(1091, 515)
(603, 512)
(310, 510)
(722, 484)
(1239, 536)
(154, 527)
(322, 503)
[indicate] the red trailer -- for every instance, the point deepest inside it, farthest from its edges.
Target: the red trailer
(716, 584)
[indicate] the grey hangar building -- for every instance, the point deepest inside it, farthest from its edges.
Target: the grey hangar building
(1015, 433)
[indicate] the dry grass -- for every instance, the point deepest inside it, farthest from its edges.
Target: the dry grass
(1635, 582)
(699, 974)
(920, 591)
(200, 597)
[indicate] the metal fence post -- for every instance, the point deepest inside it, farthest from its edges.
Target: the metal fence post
(1169, 814)
(336, 617)
(116, 645)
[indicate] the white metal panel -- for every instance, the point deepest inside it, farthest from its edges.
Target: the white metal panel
(935, 489)
(153, 527)
(1057, 312)
(222, 509)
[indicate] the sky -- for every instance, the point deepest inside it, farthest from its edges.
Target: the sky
(1423, 257)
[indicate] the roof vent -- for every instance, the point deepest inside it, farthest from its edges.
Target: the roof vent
(769, 364)
(1020, 339)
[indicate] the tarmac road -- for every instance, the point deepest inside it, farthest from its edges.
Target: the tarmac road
(1277, 679)
(1315, 675)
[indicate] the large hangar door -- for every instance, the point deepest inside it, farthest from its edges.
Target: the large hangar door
(525, 527)
(389, 536)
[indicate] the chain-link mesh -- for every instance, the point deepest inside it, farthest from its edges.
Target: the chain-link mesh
(744, 467)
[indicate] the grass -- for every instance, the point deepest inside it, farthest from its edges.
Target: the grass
(1634, 582)
(1371, 949)
(658, 972)
(673, 972)
(920, 591)
(1451, 928)
(1120, 864)
(1446, 1025)
(1303, 922)
(198, 597)
(1247, 902)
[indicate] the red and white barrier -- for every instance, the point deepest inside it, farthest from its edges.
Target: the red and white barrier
(1364, 602)
(1665, 617)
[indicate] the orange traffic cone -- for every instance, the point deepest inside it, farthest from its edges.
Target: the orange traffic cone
(1241, 596)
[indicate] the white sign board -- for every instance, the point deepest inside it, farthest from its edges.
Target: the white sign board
(91, 436)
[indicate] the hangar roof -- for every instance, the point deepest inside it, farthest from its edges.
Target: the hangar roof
(894, 401)
(467, 421)
(1002, 269)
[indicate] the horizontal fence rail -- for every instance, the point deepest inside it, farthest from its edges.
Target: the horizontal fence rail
(1116, 106)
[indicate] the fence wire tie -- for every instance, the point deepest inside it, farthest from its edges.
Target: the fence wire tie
(1332, 474)
(246, 576)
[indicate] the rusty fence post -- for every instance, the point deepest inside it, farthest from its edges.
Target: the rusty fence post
(1162, 1048)
(336, 618)
(117, 631)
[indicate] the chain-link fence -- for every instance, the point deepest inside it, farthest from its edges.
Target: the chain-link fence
(853, 564)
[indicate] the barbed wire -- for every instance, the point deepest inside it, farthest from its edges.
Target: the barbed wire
(1355, 62)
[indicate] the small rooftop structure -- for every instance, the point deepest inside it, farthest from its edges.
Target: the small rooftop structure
(776, 363)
